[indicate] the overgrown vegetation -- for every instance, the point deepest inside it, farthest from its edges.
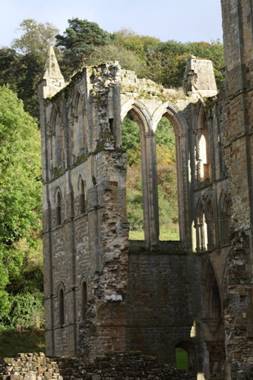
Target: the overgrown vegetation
(83, 42)
(20, 200)
(166, 179)
(13, 342)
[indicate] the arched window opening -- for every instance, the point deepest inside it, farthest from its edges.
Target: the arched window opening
(167, 180)
(61, 307)
(214, 303)
(182, 359)
(202, 152)
(59, 143)
(78, 122)
(194, 238)
(201, 231)
(58, 208)
(210, 225)
(84, 300)
(131, 142)
(225, 219)
(204, 167)
(82, 197)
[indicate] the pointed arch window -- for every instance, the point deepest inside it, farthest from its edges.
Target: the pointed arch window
(210, 220)
(82, 197)
(166, 178)
(204, 167)
(61, 307)
(59, 143)
(84, 300)
(201, 230)
(225, 219)
(133, 142)
(79, 126)
(202, 152)
(58, 208)
(194, 237)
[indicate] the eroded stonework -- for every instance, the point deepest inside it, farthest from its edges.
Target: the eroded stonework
(104, 293)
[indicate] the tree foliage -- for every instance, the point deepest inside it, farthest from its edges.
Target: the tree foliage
(78, 41)
(35, 39)
(84, 42)
(25, 84)
(126, 58)
(22, 65)
(20, 193)
(166, 178)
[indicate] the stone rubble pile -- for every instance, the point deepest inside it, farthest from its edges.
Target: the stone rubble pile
(34, 366)
(130, 366)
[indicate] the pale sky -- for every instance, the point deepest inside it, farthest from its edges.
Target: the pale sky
(182, 20)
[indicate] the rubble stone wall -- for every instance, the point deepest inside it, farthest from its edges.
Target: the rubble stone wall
(113, 367)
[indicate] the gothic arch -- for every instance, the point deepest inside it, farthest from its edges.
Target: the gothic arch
(225, 215)
(76, 102)
(83, 298)
(56, 139)
(81, 188)
(201, 227)
(202, 143)
(78, 133)
(55, 111)
(58, 206)
(140, 114)
(180, 127)
(201, 118)
(212, 317)
(177, 119)
(61, 304)
(210, 219)
(56, 191)
(140, 110)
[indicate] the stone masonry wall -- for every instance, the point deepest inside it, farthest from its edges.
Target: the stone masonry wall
(238, 117)
(96, 300)
(114, 367)
(162, 305)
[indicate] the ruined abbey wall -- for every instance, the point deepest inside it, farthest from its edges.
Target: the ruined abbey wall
(104, 293)
(96, 297)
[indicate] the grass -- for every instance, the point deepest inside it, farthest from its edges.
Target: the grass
(13, 342)
(182, 360)
(167, 233)
(136, 235)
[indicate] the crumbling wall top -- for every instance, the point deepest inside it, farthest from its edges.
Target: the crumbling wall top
(200, 78)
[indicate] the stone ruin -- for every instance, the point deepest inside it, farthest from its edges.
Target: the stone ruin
(118, 366)
(106, 294)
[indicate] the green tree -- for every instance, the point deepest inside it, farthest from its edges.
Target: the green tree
(167, 61)
(78, 42)
(22, 66)
(30, 70)
(20, 192)
(134, 42)
(35, 39)
(128, 59)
